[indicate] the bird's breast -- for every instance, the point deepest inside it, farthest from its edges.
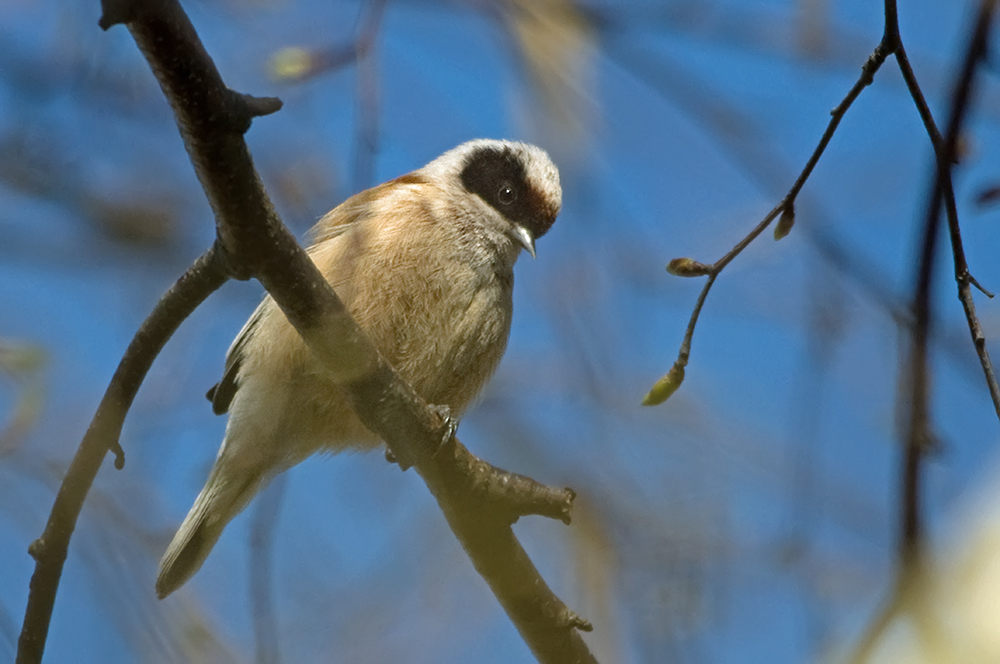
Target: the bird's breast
(450, 332)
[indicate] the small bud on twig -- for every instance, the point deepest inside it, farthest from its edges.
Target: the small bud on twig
(785, 222)
(666, 386)
(687, 267)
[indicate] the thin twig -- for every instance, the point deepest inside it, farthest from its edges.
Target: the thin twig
(666, 79)
(918, 434)
(892, 607)
(49, 551)
(875, 60)
(295, 65)
(367, 138)
(263, 527)
(963, 278)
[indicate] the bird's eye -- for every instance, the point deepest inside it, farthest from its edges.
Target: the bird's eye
(506, 194)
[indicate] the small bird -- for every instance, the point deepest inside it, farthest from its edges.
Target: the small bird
(424, 264)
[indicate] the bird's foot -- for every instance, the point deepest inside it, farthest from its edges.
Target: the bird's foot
(450, 424)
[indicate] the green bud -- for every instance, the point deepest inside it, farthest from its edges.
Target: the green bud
(665, 387)
(785, 222)
(687, 267)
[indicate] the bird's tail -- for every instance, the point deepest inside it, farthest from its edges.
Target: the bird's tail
(216, 505)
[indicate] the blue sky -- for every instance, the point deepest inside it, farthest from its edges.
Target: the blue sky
(750, 518)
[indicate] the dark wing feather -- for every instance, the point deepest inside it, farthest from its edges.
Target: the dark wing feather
(222, 393)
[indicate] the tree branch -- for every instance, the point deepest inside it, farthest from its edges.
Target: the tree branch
(963, 278)
(918, 435)
(891, 44)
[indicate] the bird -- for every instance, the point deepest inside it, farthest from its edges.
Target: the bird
(424, 264)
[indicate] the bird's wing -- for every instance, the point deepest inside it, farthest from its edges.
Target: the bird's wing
(334, 224)
(222, 393)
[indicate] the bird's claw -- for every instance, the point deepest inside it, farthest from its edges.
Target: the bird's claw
(448, 429)
(450, 425)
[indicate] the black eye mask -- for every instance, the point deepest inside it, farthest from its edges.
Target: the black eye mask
(498, 177)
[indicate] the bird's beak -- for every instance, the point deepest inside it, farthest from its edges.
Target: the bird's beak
(523, 237)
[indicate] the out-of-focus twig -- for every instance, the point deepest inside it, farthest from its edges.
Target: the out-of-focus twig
(261, 543)
(367, 139)
(295, 64)
(918, 434)
(22, 362)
